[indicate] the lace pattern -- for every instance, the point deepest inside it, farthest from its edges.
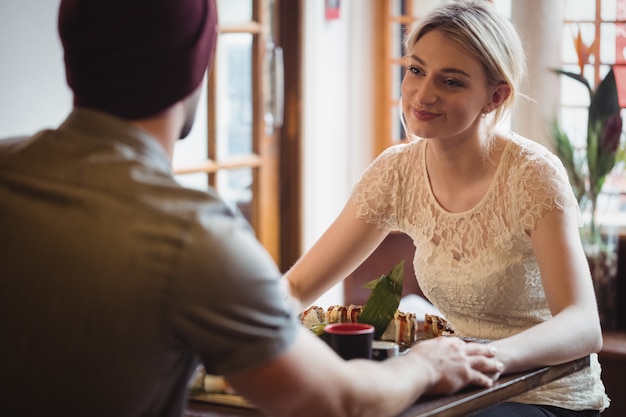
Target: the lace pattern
(478, 266)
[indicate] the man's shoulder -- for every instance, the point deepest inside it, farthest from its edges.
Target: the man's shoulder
(11, 145)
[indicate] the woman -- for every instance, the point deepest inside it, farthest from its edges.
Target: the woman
(492, 215)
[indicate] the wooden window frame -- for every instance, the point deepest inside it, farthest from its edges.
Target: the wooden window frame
(386, 100)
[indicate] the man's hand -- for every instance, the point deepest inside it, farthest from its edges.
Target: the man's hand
(454, 364)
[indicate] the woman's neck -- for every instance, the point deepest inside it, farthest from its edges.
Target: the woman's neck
(459, 172)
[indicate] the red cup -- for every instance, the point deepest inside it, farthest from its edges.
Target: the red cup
(350, 340)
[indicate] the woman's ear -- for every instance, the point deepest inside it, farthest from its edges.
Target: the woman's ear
(499, 95)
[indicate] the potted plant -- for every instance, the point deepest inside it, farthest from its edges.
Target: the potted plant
(588, 167)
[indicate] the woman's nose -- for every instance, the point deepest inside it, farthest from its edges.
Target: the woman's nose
(426, 92)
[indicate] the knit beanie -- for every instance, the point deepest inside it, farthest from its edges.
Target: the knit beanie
(135, 58)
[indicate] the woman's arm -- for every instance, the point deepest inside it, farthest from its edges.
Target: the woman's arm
(339, 251)
(574, 330)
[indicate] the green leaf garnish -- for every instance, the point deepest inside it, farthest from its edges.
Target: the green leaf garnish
(384, 299)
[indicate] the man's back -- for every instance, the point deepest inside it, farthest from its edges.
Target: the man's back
(97, 273)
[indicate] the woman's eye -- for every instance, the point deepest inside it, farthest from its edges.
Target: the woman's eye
(453, 83)
(414, 69)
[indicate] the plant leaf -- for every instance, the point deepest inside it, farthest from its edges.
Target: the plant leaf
(384, 300)
(604, 102)
(372, 284)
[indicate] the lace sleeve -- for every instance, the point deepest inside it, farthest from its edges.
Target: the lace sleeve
(543, 186)
(376, 193)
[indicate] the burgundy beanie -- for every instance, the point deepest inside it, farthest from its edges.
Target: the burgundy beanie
(135, 58)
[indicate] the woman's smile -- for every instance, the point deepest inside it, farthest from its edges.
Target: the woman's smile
(424, 115)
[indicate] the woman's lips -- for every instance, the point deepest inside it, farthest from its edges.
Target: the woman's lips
(424, 115)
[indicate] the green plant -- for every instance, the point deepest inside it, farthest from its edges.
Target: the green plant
(588, 167)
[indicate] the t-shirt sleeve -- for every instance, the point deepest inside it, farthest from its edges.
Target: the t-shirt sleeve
(544, 186)
(226, 303)
(377, 191)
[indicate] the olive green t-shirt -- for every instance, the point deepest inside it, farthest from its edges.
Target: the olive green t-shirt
(116, 282)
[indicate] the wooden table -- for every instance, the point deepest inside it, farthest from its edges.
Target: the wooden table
(457, 405)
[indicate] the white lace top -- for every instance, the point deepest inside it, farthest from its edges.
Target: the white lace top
(478, 267)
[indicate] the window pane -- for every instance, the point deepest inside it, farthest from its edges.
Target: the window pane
(234, 86)
(398, 52)
(609, 9)
(573, 92)
(193, 149)
(574, 123)
(579, 10)
(607, 46)
(421, 7)
(396, 124)
(604, 69)
(503, 6)
(198, 181)
(235, 187)
(234, 11)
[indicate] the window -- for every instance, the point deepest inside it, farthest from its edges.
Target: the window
(393, 17)
(243, 151)
(238, 155)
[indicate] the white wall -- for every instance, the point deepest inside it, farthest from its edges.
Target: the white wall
(33, 93)
(337, 104)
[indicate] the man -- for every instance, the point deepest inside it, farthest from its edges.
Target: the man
(116, 282)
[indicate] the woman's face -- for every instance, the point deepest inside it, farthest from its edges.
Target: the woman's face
(445, 90)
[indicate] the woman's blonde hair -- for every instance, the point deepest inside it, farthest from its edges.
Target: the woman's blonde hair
(486, 35)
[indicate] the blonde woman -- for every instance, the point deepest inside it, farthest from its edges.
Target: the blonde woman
(492, 215)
